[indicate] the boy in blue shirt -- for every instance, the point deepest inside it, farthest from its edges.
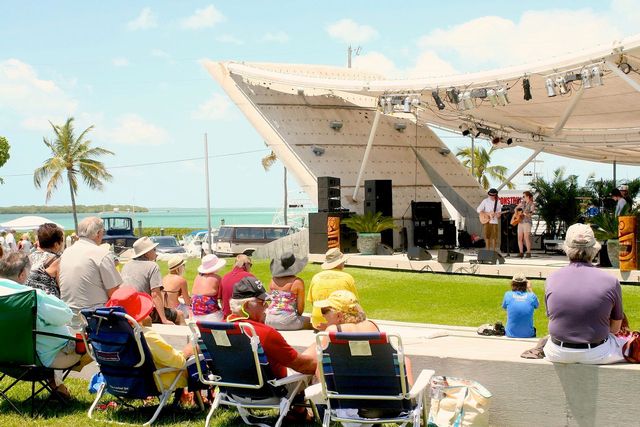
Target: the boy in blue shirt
(520, 302)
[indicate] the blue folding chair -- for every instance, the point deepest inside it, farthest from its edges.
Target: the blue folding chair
(116, 342)
(238, 367)
(363, 379)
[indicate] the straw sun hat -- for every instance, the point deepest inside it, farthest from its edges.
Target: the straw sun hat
(142, 246)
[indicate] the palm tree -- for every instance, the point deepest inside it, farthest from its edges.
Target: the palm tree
(267, 162)
(482, 169)
(73, 157)
(4, 153)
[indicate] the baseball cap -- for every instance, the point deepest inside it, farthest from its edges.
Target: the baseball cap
(519, 277)
(249, 287)
(580, 236)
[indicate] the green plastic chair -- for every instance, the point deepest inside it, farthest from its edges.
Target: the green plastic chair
(18, 359)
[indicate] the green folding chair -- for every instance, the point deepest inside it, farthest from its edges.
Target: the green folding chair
(19, 360)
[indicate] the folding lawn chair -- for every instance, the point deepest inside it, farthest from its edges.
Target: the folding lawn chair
(116, 342)
(238, 367)
(363, 379)
(19, 359)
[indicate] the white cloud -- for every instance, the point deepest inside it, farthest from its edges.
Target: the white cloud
(349, 31)
(159, 53)
(495, 41)
(144, 21)
(203, 18)
(218, 107)
(132, 129)
(33, 99)
(120, 62)
(229, 39)
(276, 37)
(429, 64)
(376, 62)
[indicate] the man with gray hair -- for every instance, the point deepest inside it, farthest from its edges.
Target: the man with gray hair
(584, 306)
(88, 275)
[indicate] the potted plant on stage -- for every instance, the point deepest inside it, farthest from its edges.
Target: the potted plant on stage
(369, 226)
(607, 230)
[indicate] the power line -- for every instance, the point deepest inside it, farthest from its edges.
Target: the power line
(239, 153)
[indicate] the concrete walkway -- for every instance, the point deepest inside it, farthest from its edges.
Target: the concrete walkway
(525, 392)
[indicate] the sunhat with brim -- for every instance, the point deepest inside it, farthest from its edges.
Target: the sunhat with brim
(211, 264)
(492, 192)
(580, 236)
(344, 301)
(333, 258)
(287, 265)
(137, 304)
(175, 262)
(142, 246)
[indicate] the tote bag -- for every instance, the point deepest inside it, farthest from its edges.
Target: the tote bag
(458, 403)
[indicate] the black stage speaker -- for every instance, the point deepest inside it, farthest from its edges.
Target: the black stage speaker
(378, 198)
(429, 213)
(416, 253)
(319, 233)
(328, 194)
(383, 249)
(508, 232)
(449, 257)
(485, 256)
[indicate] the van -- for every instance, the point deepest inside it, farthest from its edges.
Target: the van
(245, 239)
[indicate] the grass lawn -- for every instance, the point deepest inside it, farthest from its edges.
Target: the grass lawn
(391, 295)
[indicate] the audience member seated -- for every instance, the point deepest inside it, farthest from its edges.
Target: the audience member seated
(206, 290)
(25, 245)
(286, 292)
(140, 306)
(175, 287)
(87, 274)
(584, 306)
(326, 282)
(45, 262)
(143, 274)
(242, 268)
(53, 317)
(520, 303)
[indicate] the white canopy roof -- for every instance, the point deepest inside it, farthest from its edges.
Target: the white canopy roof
(588, 120)
(29, 222)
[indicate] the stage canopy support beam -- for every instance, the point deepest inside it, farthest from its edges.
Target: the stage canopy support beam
(367, 151)
(567, 113)
(522, 166)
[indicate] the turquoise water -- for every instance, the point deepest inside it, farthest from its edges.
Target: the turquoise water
(174, 217)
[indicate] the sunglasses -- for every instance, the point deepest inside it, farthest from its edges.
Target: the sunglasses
(326, 310)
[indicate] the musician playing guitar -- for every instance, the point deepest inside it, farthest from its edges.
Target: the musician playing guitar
(489, 211)
(527, 208)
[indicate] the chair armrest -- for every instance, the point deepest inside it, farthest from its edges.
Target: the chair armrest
(167, 370)
(291, 379)
(421, 383)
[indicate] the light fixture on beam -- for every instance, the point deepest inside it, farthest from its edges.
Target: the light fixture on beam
(437, 99)
(492, 97)
(551, 87)
(503, 98)
(400, 126)
(562, 85)
(335, 125)
(526, 87)
(465, 129)
(625, 67)
(467, 102)
(444, 151)
(596, 76)
(585, 76)
(454, 95)
(317, 150)
(482, 131)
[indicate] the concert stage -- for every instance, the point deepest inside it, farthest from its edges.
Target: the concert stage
(540, 265)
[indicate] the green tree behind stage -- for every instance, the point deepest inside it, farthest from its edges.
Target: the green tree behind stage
(483, 170)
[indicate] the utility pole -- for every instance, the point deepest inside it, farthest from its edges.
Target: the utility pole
(206, 174)
(351, 52)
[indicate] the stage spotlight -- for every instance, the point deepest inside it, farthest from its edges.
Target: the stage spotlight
(400, 126)
(596, 76)
(551, 88)
(465, 129)
(406, 105)
(335, 125)
(317, 150)
(438, 100)
(624, 67)
(467, 101)
(388, 106)
(509, 141)
(562, 85)
(526, 87)
(585, 76)
(454, 95)
(503, 98)
(492, 97)
(496, 140)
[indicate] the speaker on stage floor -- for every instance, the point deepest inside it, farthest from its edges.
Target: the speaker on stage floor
(508, 232)
(486, 256)
(383, 249)
(378, 198)
(449, 257)
(416, 253)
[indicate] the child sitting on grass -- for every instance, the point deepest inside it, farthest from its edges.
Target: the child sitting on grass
(520, 302)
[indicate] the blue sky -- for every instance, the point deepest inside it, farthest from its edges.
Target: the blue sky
(133, 70)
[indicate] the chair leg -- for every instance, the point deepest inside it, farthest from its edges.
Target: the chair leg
(286, 404)
(163, 401)
(214, 406)
(95, 402)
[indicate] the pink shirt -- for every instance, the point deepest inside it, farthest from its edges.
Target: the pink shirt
(228, 280)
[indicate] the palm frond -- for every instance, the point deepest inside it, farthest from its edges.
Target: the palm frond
(369, 223)
(269, 160)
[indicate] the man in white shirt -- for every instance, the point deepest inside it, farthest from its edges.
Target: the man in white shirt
(490, 209)
(10, 241)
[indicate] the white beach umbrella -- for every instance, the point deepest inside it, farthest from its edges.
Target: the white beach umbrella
(29, 222)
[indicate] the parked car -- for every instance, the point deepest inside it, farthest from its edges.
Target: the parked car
(245, 239)
(167, 245)
(118, 232)
(198, 245)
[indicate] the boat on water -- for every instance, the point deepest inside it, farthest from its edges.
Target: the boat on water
(359, 125)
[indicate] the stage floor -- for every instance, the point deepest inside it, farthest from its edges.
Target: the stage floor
(540, 265)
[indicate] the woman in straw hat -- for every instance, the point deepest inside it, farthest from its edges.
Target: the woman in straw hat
(175, 286)
(287, 294)
(206, 290)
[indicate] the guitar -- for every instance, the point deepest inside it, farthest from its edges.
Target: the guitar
(485, 217)
(517, 217)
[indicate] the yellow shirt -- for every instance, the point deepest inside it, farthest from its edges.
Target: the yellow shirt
(324, 284)
(165, 356)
